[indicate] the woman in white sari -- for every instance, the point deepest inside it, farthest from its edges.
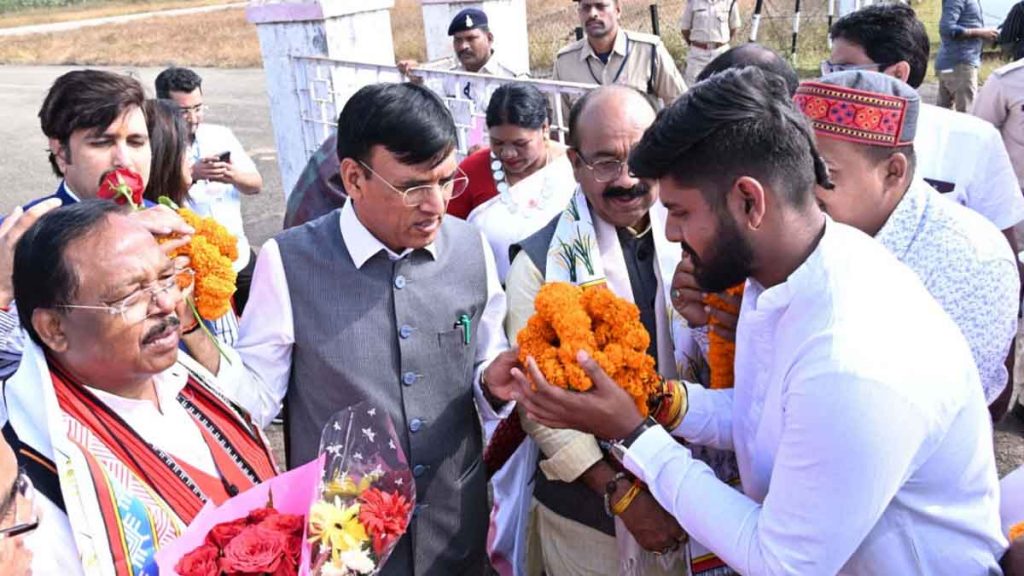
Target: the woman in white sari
(523, 180)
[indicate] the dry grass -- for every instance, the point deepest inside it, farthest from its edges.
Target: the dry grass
(115, 8)
(219, 39)
(225, 39)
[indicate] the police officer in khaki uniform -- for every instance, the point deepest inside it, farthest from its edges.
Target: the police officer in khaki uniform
(1001, 102)
(707, 26)
(610, 55)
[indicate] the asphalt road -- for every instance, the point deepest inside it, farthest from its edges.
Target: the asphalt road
(237, 99)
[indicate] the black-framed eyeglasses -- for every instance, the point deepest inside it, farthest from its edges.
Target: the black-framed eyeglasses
(23, 492)
(603, 170)
(829, 67)
(416, 195)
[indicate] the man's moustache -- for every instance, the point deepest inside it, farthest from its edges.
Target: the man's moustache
(170, 321)
(628, 193)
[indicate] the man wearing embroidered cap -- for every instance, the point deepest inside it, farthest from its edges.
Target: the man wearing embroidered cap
(865, 123)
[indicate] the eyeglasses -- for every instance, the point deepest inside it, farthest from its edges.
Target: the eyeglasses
(25, 492)
(828, 67)
(603, 170)
(134, 308)
(196, 110)
(416, 195)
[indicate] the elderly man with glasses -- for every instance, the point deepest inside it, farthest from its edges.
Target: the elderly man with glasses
(387, 302)
(582, 505)
(125, 437)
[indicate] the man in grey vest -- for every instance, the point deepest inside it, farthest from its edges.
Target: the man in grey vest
(585, 516)
(383, 301)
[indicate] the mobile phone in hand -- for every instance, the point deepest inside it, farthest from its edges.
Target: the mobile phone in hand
(224, 156)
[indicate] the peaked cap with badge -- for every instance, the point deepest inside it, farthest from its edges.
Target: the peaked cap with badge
(467, 19)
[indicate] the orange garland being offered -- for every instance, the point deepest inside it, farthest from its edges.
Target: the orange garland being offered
(1016, 531)
(211, 252)
(721, 352)
(569, 319)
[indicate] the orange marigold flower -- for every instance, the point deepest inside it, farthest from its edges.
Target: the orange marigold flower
(211, 252)
(569, 319)
(1016, 531)
(721, 352)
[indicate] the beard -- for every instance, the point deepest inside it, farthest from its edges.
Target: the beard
(729, 261)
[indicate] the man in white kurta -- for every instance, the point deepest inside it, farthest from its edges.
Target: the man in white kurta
(862, 436)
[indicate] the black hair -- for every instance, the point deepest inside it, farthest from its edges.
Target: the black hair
(739, 122)
(573, 138)
(518, 104)
(86, 100)
(878, 154)
(177, 80)
(753, 54)
(167, 139)
(409, 121)
(42, 277)
(888, 33)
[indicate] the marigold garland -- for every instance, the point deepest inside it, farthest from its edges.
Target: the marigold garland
(1016, 531)
(721, 352)
(569, 319)
(211, 253)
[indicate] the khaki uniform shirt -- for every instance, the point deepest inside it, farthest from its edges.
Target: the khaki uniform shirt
(1001, 102)
(710, 20)
(637, 59)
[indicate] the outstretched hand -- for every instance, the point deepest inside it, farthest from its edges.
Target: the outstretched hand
(606, 410)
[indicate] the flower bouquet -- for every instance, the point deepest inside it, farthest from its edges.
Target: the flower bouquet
(259, 531)
(569, 319)
(366, 495)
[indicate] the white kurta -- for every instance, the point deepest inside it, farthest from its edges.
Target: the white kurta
(862, 435)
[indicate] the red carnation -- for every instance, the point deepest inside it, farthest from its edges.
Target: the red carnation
(385, 515)
(200, 562)
(122, 186)
(221, 534)
(255, 550)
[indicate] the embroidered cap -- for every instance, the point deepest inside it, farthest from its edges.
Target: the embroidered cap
(467, 19)
(862, 107)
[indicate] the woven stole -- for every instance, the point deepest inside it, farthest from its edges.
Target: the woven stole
(145, 497)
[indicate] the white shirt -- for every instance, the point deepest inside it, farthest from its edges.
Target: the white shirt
(964, 158)
(266, 335)
(967, 266)
(862, 437)
(217, 199)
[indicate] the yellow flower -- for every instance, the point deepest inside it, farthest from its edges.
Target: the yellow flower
(336, 526)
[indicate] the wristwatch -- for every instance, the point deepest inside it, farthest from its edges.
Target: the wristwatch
(619, 447)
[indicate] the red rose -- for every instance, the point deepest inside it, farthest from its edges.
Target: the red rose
(260, 514)
(221, 534)
(287, 524)
(255, 550)
(122, 186)
(200, 562)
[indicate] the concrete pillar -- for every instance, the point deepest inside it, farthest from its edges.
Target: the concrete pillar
(355, 30)
(506, 18)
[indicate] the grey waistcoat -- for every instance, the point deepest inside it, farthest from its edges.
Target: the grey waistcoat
(386, 334)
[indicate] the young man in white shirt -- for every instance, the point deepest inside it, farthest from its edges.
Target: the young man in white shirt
(221, 170)
(961, 156)
(856, 397)
(961, 258)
